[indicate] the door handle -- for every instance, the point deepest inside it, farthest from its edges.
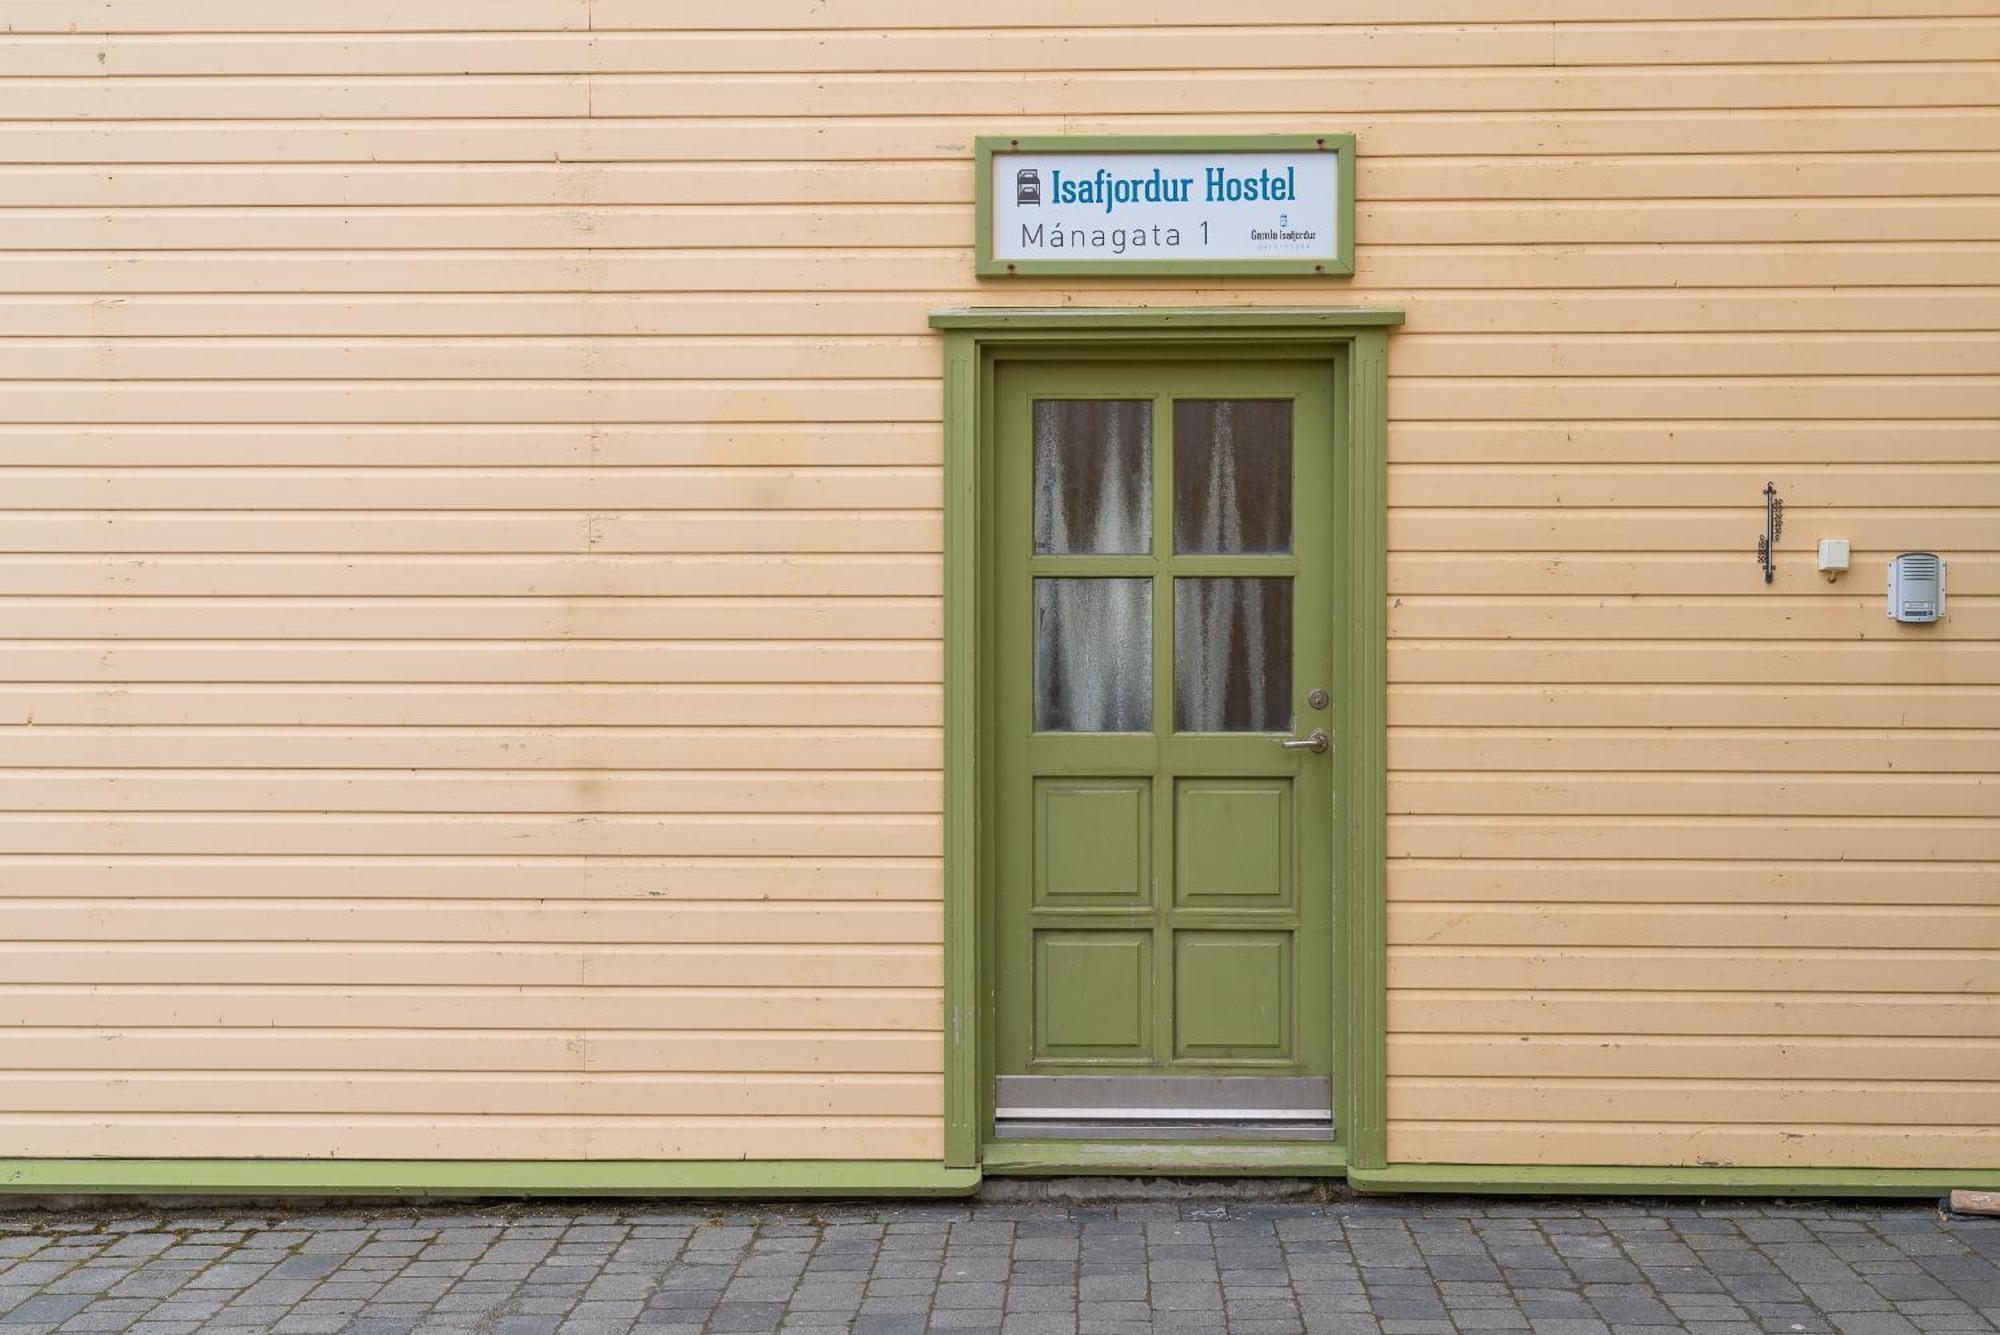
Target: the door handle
(1315, 742)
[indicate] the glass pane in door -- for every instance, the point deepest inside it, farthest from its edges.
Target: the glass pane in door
(1093, 655)
(1093, 477)
(1232, 475)
(1233, 654)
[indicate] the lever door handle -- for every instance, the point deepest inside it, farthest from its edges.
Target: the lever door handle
(1315, 742)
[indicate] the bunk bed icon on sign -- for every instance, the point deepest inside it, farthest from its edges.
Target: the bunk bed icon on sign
(1028, 186)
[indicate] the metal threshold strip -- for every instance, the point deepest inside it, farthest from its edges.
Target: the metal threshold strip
(1087, 1107)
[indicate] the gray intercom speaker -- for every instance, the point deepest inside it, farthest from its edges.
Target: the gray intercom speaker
(1916, 587)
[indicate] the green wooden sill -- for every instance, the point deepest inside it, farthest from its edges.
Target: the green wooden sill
(1591, 1179)
(500, 1177)
(1173, 1158)
(794, 1178)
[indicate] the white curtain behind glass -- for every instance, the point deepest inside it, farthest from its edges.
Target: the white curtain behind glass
(1093, 496)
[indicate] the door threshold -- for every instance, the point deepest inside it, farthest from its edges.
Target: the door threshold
(1184, 1128)
(1164, 1158)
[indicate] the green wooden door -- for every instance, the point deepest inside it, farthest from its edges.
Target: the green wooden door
(1163, 592)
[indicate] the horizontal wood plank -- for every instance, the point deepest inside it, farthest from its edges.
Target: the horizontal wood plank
(1746, 1058)
(1757, 929)
(1734, 1145)
(469, 1136)
(1694, 1014)
(502, 877)
(1845, 1103)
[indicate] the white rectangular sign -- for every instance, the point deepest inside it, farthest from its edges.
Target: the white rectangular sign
(1114, 210)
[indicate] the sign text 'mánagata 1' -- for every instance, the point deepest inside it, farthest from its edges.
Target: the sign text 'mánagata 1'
(1188, 206)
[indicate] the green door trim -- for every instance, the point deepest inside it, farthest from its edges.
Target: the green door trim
(1355, 341)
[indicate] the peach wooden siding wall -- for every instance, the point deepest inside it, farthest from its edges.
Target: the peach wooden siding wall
(471, 530)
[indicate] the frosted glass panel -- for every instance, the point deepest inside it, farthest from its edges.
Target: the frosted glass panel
(1093, 655)
(1093, 476)
(1232, 475)
(1232, 655)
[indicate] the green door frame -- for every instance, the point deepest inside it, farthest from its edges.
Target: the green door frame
(1354, 342)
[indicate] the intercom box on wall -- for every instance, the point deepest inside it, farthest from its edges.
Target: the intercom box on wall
(1916, 587)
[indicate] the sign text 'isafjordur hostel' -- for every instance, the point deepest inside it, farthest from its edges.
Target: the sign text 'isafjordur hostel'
(1190, 205)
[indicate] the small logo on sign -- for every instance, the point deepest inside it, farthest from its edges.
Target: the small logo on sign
(1028, 186)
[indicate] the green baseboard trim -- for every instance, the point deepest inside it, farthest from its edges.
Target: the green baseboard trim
(1164, 1158)
(473, 1177)
(1592, 1179)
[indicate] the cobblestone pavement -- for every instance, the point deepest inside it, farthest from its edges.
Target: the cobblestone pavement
(1356, 1267)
